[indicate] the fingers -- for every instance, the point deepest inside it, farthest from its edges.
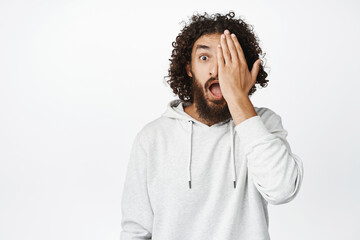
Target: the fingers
(255, 70)
(220, 58)
(225, 49)
(239, 51)
(232, 48)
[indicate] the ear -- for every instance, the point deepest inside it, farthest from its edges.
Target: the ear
(188, 69)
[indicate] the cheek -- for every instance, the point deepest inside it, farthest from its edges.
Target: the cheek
(201, 70)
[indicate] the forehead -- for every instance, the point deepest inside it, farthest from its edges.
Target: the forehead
(207, 42)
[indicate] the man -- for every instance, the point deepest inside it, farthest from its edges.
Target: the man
(209, 166)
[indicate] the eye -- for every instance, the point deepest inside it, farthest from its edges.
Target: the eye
(201, 57)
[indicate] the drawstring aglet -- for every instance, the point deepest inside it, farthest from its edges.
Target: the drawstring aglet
(234, 184)
(189, 184)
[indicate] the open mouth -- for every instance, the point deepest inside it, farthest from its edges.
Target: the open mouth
(215, 90)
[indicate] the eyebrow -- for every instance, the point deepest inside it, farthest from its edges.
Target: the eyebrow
(202, 47)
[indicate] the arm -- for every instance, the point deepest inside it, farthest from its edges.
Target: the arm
(137, 214)
(276, 172)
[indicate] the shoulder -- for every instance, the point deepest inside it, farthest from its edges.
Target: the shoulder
(269, 117)
(157, 125)
(154, 128)
(265, 113)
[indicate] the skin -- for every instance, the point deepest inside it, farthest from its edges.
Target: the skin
(224, 60)
(204, 71)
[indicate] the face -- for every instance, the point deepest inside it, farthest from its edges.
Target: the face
(204, 70)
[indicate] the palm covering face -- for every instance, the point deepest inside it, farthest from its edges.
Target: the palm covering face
(235, 80)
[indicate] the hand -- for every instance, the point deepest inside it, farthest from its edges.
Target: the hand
(235, 80)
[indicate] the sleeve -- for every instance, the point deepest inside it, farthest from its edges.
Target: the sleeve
(136, 210)
(276, 172)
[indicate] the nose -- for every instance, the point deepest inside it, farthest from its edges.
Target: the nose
(214, 69)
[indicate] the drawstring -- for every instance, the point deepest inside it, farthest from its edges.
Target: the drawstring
(190, 148)
(232, 151)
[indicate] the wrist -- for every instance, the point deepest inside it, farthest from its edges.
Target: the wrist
(241, 109)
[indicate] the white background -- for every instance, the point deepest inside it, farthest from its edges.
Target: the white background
(79, 79)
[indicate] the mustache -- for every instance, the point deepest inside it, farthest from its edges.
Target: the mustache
(210, 81)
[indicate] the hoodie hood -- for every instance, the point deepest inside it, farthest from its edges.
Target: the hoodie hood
(175, 109)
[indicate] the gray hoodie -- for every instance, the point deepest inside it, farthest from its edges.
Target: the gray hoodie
(186, 180)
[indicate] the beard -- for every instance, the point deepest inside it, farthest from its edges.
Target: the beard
(210, 110)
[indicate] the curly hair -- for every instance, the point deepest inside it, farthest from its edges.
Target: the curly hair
(199, 25)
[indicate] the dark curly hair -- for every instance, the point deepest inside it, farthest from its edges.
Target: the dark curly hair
(199, 25)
